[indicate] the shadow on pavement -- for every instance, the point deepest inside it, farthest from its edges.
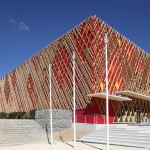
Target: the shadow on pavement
(47, 134)
(91, 145)
(65, 142)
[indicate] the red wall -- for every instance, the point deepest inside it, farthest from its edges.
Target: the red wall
(92, 115)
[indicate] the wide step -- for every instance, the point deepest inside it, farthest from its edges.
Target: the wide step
(134, 136)
(18, 132)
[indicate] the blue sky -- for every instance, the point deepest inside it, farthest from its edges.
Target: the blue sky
(26, 26)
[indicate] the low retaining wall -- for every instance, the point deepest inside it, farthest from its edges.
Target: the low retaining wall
(85, 127)
(62, 119)
(94, 127)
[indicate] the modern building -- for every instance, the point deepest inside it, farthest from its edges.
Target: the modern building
(27, 86)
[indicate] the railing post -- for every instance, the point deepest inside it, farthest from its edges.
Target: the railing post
(96, 119)
(76, 119)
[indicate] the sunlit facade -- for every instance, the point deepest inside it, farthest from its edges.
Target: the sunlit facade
(27, 86)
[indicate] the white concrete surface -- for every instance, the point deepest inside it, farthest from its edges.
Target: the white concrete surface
(67, 146)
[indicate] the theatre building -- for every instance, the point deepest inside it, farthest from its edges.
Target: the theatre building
(27, 86)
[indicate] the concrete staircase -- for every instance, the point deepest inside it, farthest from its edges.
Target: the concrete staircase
(18, 132)
(134, 136)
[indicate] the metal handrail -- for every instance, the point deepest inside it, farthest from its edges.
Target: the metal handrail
(95, 118)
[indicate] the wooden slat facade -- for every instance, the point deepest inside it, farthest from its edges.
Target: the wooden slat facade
(27, 86)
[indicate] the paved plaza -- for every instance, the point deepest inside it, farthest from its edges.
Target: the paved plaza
(68, 146)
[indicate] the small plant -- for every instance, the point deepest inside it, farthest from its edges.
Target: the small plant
(22, 115)
(13, 115)
(27, 116)
(32, 114)
(17, 115)
(3, 115)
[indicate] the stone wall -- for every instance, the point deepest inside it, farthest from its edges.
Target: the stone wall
(62, 119)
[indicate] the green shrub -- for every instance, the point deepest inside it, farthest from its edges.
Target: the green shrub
(22, 115)
(13, 115)
(17, 115)
(32, 114)
(3, 115)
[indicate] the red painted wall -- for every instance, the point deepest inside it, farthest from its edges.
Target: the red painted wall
(92, 115)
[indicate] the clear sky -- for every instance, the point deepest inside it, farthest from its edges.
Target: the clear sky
(26, 26)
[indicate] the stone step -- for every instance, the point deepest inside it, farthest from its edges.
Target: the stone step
(138, 129)
(128, 128)
(120, 143)
(21, 138)
(123, 139)
(121, 135)
(137, 139)
(23, 130)
(21, 143)
(130, 133)
(128, 136)
(124, 131)
(18, 132)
